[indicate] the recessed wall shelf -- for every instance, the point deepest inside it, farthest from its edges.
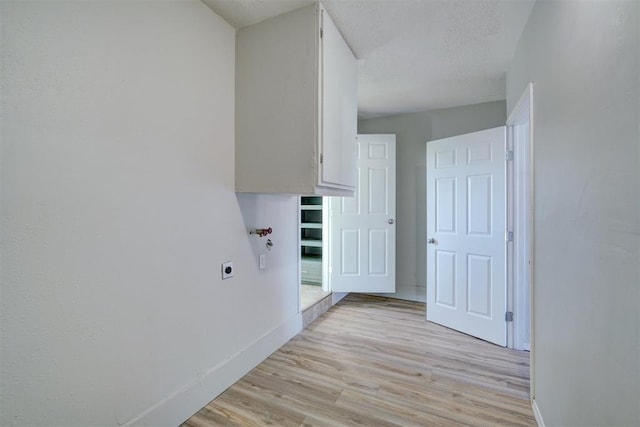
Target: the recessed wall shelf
(311, 240)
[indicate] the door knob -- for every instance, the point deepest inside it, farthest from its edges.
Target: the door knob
(391, 221)
(432, 241)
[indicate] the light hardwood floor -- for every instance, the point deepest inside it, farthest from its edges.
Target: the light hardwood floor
(375, 361)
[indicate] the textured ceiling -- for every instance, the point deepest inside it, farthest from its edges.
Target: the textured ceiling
(414, 55)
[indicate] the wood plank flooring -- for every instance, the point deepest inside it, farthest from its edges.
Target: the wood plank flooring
(374, 361)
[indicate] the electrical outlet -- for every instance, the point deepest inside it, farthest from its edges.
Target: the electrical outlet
(227, 270)
(262, 261)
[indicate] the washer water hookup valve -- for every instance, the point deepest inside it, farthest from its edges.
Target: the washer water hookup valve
(261, 232)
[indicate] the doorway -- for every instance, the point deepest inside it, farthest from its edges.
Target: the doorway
(348, 243)
(479, 225)
(312, 238)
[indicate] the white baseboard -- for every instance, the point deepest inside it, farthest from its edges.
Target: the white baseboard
(409, 293)
(337, 296)
(176, 408)
(536, 413)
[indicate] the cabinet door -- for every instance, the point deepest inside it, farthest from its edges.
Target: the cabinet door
(277, 104)
(296, 106)
(339, 109)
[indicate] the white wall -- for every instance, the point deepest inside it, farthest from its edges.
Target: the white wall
(583, 59)
(412, 133)
(117, 211)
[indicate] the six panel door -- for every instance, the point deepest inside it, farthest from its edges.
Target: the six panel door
(362, 227)
(466, 286)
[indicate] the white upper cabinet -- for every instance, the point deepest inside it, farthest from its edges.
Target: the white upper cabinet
(296, 106)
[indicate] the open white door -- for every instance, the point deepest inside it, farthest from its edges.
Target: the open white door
(466, 287)
(362, 228)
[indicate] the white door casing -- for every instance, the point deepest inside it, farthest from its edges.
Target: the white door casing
(466, 288)
(362, 228)
(519, 219)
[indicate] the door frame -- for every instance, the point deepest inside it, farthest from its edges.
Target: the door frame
(326, 245)
(520, 209)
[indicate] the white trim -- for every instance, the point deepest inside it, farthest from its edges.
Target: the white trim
(408, 293)
(519, 224)
(299, 258)
(537, 413)
(523, 113)
(190, 398)
(532, 140)
(337, 296)
(509, 244)
(326, 245)
(524, 105)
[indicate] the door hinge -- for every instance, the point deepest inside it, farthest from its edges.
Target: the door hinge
(508, 155)
(508, 316)
(508, 236)
(321, 158)
(321, 33)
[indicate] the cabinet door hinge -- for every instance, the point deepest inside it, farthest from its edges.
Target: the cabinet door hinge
(508, 316)
(508, 155)
(508, 236)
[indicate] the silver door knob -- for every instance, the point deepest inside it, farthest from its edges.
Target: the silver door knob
(391, 221)
(432, 241)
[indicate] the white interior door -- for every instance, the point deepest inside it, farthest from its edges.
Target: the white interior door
(362, 228)
(466, 287)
